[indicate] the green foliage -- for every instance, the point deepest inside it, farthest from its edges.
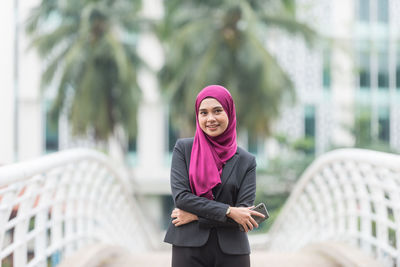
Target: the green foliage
(274, 205)
(285, 170)
(223, 42)
(379, 146)
(362, 132)
(281, 139)
(305, 145)
(294, 158)
(288, 168)
(91, 61)
(362, 128)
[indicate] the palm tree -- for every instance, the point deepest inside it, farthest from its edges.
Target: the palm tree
(89, 51)
(224, 42)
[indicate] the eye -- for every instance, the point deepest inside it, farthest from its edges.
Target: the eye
(203, 113)
(218, 110)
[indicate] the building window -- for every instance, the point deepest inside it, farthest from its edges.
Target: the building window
(307, 144)
(309, 121)
(132, 144)
(383, 71)
(172, 134)
(252, 143)
(172, 137)
(326, 74)
(167, 206)
(383, 11)
(51, 125)
(362, 125)
(365, 70)
(132, 148)
(398, 70)
(363, 10)
(384, 124)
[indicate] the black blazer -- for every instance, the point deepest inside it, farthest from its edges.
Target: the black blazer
(237, 189)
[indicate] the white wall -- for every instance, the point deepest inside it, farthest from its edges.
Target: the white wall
(151, 146)
(343, 69)
(30, 117)
(31, 134)
(6, 82)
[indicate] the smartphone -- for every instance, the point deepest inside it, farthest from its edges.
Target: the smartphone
(261, 208)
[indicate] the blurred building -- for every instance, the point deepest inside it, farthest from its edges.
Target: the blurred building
(21, 114)
(347, 83)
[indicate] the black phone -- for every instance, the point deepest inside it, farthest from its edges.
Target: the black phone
(261, 208)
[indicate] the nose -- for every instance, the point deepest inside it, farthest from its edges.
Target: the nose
(210, 117)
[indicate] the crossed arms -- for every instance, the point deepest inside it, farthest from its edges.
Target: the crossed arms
(210, 213)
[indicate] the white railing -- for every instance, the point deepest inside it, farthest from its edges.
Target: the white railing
(347, 195)
(57, 204)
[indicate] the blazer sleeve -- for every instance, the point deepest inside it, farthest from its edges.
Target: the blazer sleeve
(184, 198)
(246, 197)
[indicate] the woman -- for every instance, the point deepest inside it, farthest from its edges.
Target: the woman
(213, 184)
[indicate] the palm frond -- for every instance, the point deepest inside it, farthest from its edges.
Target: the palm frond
(91, 47)
(45, 43)
(291, 25)
(39, 15)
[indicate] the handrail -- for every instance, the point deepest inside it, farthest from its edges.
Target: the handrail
(347, 195)
(52, 206)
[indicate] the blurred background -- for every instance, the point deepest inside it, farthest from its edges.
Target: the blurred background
(121, 76)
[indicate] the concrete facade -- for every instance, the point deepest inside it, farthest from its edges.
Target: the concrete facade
(7, 31)
(21, 134)
(336, 106)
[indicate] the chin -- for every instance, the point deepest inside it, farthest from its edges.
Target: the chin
(213, 134)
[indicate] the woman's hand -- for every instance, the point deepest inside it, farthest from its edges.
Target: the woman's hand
(182, 217)
(242, 215)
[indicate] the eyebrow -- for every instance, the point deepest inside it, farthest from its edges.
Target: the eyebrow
(217, 107)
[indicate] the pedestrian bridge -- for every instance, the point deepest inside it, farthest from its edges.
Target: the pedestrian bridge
(76, 208)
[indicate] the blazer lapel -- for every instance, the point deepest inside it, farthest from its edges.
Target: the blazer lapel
(226, 173)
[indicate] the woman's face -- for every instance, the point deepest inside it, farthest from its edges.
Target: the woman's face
(212, 117)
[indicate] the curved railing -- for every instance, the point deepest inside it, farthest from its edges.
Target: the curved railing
(350, 196)
(55, 205)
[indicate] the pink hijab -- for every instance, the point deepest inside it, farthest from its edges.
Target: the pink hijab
(209, 154)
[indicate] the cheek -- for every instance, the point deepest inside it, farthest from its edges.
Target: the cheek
(202, 123)
(226, 121)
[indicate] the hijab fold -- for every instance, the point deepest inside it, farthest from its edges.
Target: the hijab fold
(209, 154)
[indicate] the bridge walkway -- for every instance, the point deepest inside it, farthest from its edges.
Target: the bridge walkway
(316, 255)
(258, 259)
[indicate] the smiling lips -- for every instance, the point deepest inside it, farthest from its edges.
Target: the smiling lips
(212, 127)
